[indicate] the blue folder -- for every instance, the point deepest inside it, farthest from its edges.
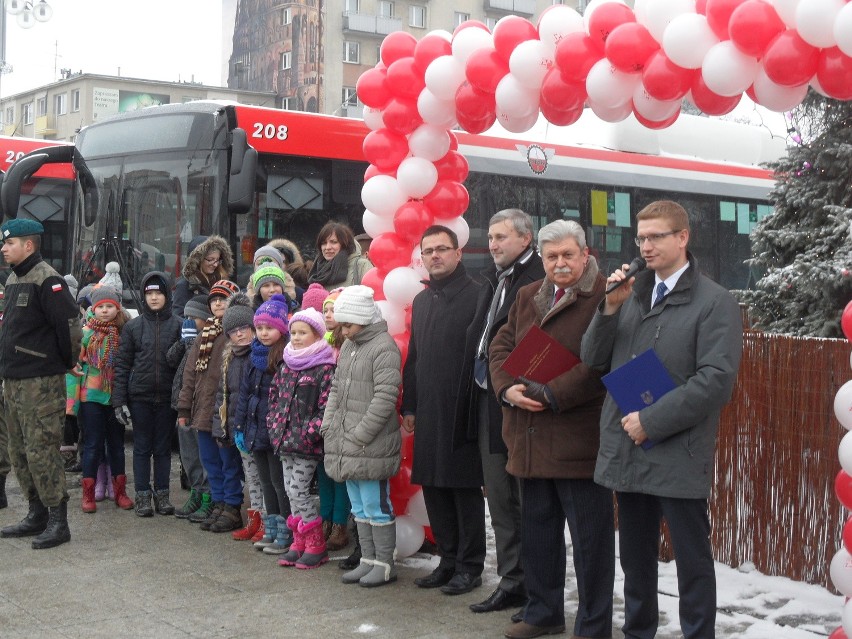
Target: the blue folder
(639, 383)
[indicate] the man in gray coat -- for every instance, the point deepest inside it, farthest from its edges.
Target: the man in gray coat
(694, 326)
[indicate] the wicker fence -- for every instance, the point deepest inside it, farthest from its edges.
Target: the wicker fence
(774, 502)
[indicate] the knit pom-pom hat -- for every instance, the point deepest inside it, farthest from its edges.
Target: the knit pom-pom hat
(112, 277)
(104, 295)
(355, 305)
(314, 297)
(273, 312)
(312, 317)
(239, 313)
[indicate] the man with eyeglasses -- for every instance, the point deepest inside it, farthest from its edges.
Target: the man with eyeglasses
(695, 328)
(449, 471)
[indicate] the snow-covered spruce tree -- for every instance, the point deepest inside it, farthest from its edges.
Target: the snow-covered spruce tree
(804, 249)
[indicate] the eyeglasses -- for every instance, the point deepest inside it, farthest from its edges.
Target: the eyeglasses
(212, 260)
(653, 238)
(239, 329)
(440, 250)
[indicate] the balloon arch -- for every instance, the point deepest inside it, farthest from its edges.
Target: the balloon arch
(616, 60)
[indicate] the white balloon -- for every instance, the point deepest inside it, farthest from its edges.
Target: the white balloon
(375, 225)
(441, 33)
(840, 571)
(651, 108)
(401, 286)
(658, 15)
(393, 315)
(467, 41)
(440, 113)
(409, 536)
(459, 226)
(557, 22)
(416, 177)
(728, 71)
(843, 405)
(687, 40)
(774, 96)
(417, 263)
(416, 509)
(530, 62)
(381, 195)
(519, 124)
(786, 10)
(815, 21)
(640, 10)
(611, 114)
(515, 99)
(847, 618)
(444, 76)
(429, 142)
(373, 118)
(843, 29)
(609, 87)
(844, 452)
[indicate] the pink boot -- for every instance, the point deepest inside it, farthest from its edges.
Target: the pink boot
(109, 484)
(297, 547)
(100, 482)
(315, 554)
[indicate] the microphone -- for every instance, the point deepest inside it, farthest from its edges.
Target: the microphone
(638, 264)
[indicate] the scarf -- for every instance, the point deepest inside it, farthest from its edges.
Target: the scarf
(316, 354)
(212, 329)
(259, 355)
(100, 351)
(327, 272)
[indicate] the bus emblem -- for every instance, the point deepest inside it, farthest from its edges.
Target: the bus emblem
(536, 156)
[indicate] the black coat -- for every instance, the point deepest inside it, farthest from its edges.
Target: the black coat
(430, 381)
(467, 410)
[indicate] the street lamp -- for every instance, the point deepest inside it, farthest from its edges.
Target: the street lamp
(28, 12)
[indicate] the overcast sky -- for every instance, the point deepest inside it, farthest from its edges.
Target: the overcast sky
(173, 40)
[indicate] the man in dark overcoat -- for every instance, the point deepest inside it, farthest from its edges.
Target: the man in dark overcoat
(450, 473)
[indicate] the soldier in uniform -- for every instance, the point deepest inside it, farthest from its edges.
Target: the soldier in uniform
(39, 342)
(5, 463)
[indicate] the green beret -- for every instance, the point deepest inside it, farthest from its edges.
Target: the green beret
(21, 228)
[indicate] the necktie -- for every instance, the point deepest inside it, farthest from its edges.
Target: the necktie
(560, 293)
(662, 289)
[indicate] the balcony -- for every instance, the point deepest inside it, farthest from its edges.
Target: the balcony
(522, 7)
(370, 24)
(45, 125)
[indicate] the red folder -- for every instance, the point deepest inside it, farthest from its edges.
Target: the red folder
(539, 357)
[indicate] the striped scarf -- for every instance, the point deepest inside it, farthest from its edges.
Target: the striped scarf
(212, 329)
(101, 349)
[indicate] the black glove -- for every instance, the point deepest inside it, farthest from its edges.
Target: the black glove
(535, 391)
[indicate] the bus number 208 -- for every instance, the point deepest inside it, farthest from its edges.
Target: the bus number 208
(270, 131)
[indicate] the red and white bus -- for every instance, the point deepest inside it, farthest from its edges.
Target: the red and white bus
(151, 180)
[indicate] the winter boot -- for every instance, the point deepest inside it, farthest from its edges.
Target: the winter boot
(366, 553)
(33, 524)
(109, 486)
(3, 501)
(162, 503)
(315, 554)
(229, 519)
(101, 482)
(384, 571)
(270, 529)
(203, 511)
(252, 524)
(143, 503)
(354, 559)
(297, 547)
(326, 529)
(261, 530)
(57, 531)
(89, 503)
(119, 489)
(192, 504)
(338, 538)
(217, 509)
(283, 537)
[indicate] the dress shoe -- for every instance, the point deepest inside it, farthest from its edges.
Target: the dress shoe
(461, 583)
(518, 617)
(524, 630)
(438, 577)
(499, 600)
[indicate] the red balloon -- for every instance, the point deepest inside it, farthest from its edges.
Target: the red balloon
(843, 488)
(447, 200)
(454, 141)
(847, 535)
(753, 25)
(846, 324)
(402, 340)
(834, 73)
(401, 488)
(375, 280)
(430, 48)
(701, 6)
(718, 14)
(405, 80)
(373, 171)
(453, 166)
(389, 251)
(408, 318)
(510, 32)
(838, 633)
(709, 102)
(789, 60)
(664, 80)
(397, 45)
(561, 117)
(385, 149)
(372, 88)
(651, 124)
(558, 94)
(467, 24)
(472, 125)
(427, 530)
(629, 45)
(575, 55)
(401, 115)
(485, 68)
(411, 219)
(473, 103)
(605, 19)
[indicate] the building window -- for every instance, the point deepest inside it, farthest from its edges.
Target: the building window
(286, 60)
(490, 23)
(60, 104)
(352, 52)
(417, 16)
(10, 116)
(351, 6)
(286, 16)
(41, 107)
(289, 104)
(385, 9)
(75, 100)
(350, 97)
(28, 113)
(459, 18)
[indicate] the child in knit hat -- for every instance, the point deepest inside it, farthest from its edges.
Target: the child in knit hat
(361, 431)
(296, 405)
(269, 280)
(334, 334)
(251, 433)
